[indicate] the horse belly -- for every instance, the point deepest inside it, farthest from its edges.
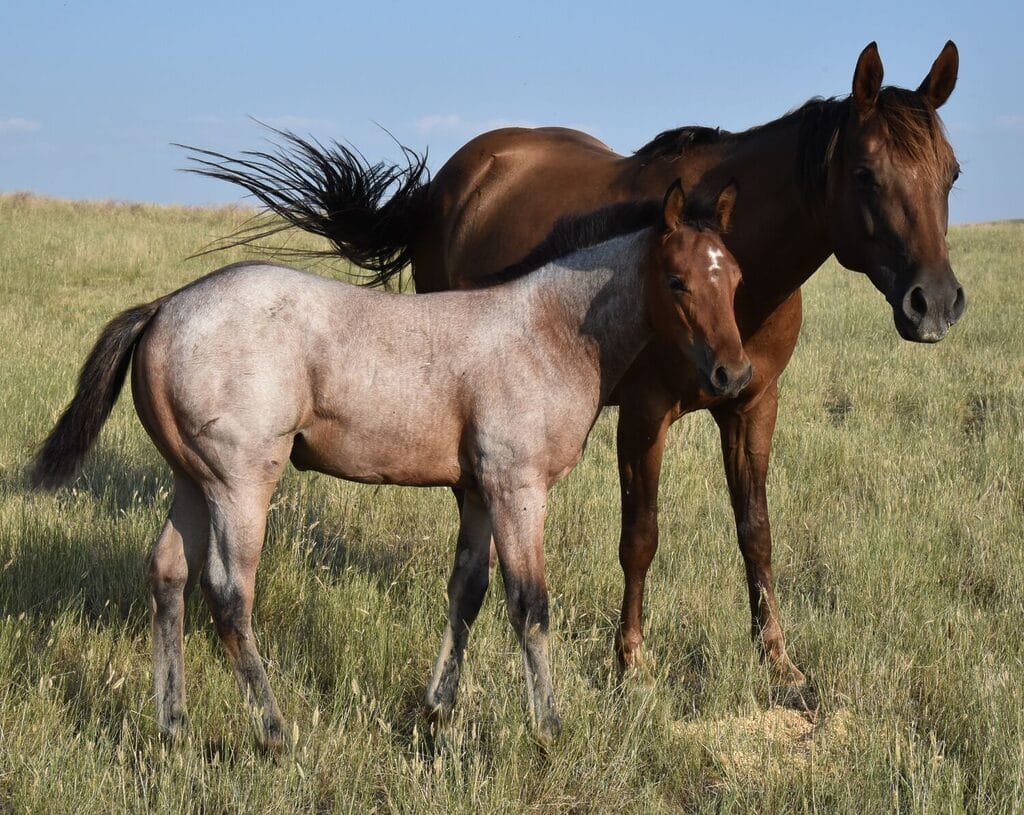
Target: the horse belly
(380, 452)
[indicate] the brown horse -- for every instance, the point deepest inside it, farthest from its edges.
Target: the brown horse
(865, 177)
(256, 363)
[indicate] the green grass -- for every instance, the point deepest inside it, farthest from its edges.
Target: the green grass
(896, 492)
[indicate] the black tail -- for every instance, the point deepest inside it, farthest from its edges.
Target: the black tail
(98, 387)
(330, 191)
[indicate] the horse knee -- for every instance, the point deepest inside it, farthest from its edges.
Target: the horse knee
(528, 607)
(638, 540)
(168, 572)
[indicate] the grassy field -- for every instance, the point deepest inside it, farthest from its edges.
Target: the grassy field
(896, 492)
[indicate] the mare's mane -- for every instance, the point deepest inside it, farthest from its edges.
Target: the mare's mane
(914, 130)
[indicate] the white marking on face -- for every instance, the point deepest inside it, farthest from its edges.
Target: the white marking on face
(714, 255)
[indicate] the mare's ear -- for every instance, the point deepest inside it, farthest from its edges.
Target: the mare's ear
(867, 80)
(672, 207)
(941, 79)
(726, 201)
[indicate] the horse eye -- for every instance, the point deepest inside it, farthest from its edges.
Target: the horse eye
(865, 178)
(676, 285)
(956, 175)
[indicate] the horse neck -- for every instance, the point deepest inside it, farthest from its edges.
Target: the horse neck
(778, 233)
(594, 302)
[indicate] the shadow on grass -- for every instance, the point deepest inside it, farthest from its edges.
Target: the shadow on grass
(70, 557)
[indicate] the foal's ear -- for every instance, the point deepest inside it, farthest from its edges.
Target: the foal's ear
(726, 201)
(867, 79)
(941, 79)
(673, 205)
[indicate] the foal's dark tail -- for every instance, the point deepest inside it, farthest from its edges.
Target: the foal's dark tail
(331, 191)
(98, 387)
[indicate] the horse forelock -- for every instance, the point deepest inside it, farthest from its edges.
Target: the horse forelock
(915, 132)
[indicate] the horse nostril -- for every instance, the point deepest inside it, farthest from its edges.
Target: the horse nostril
(918, 303)
(746, 376)
(959, 304)
(720, 377)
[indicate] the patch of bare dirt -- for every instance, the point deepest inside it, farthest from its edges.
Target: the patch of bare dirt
(777, 740)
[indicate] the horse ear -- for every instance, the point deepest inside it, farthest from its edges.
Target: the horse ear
(867, 79)
(673, 205)
(941, 79)
(726, 201)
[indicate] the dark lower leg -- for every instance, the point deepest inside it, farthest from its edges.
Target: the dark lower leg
(466, 589)
(641, 442)
(746, 443)
(228, 582)
(176, 558)
(518, 520)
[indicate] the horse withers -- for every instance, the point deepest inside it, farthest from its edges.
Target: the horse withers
(256, 364)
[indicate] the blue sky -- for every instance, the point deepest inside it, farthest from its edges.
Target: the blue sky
(92, 94)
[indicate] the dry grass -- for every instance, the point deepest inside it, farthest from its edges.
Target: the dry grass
(896, 491)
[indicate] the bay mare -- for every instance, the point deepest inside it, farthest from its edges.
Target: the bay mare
(865, 177)
(492, 391)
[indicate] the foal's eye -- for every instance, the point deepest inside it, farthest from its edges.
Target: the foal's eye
(676, 285)
(865, 178)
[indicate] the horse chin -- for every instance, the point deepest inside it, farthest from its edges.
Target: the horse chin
(916, 333)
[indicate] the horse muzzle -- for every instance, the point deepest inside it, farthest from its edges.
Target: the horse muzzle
(928, 308)
(729, 380)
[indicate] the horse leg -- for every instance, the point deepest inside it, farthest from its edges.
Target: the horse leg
(746, 432)
(466, 589)
(238, 520)
(518, 520)
(641, 443)
(174, 563)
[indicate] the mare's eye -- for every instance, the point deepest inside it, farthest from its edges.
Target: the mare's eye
(865, 178)
(956, 175)
(676, 285)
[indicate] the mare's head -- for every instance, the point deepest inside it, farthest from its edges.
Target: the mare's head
(691, 286)
(889, 173)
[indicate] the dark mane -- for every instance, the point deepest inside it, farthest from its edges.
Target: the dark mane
(579, 231)
(673, 143)
(582, 230)
(913, 127)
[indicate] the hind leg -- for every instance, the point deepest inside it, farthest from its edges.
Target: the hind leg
(238, 519)
(466, 589)
(174, 564)
(518, 519)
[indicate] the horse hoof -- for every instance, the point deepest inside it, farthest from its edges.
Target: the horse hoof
(273, 736)
(439, 711)
(800, 697)
(548, 730)
(173, 728)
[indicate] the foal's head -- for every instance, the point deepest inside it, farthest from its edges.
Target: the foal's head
(889, 174)
(691, 285)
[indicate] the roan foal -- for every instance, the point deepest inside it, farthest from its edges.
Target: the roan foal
(491, 391)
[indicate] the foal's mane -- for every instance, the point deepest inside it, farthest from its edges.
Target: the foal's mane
(580, 231)
(577, 231)
(914, 130)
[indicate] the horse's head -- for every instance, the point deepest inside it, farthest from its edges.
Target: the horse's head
(888, 180)
(691, 286)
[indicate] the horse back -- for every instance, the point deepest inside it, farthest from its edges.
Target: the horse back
(501, 194)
